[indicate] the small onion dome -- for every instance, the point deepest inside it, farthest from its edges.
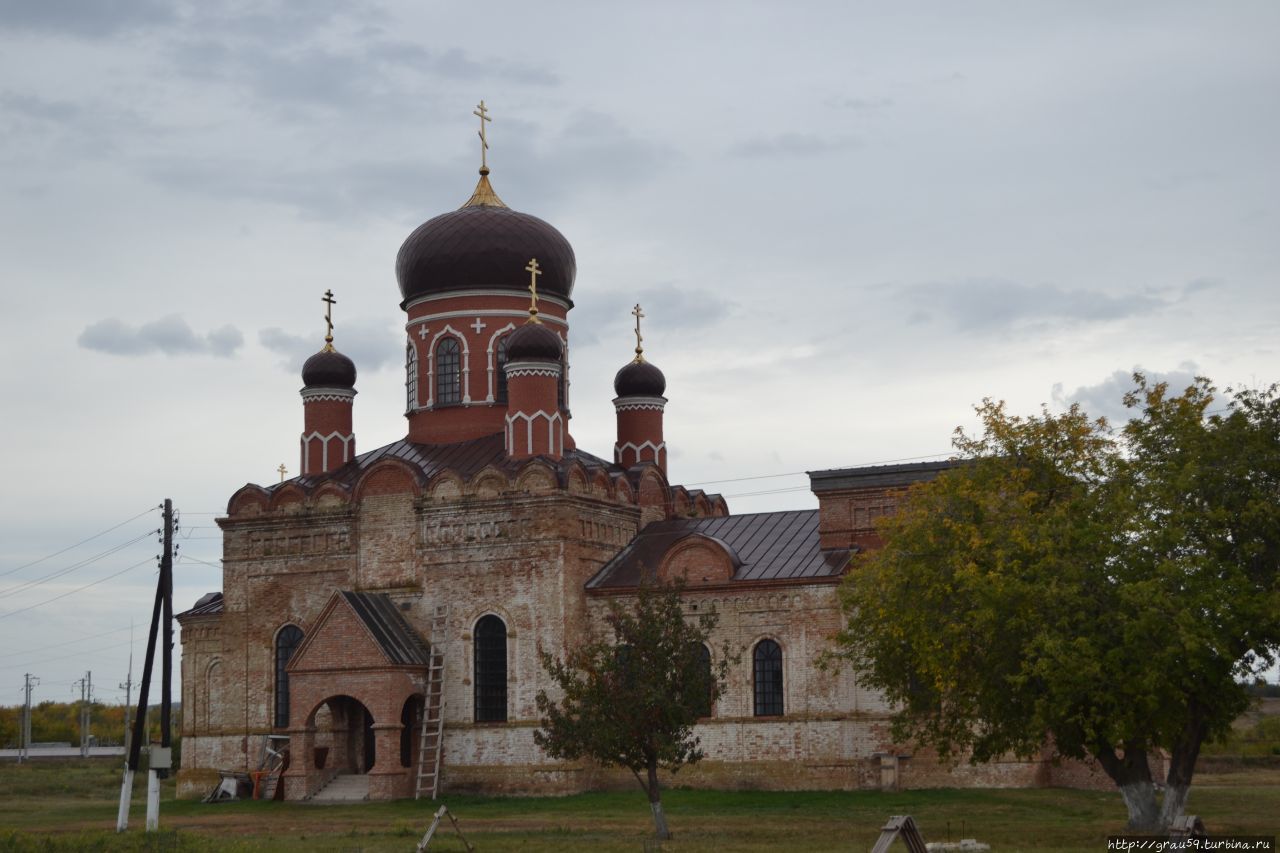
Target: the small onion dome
(329, 369)
(639, 379)
(483, 245)
(534, 342)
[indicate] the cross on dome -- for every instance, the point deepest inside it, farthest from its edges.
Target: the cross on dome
(328, 319)
(637, 313)
(282, 471)
(483, 112)
(533, 271)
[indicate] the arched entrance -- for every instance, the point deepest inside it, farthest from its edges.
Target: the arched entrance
(344, 740)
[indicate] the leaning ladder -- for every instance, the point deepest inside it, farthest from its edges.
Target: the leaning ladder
(431, 742)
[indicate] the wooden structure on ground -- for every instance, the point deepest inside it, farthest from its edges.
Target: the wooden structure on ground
(904, 827)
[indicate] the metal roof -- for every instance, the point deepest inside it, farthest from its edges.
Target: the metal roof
(397, 639)
(207, 605)
(766, 546)
(465, 458)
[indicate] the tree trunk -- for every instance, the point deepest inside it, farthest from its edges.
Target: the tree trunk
(655, 805)
(1182, 765)
(1132, 776)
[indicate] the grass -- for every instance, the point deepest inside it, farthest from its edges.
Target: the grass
(71, 806)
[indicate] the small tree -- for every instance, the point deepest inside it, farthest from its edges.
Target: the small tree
(632, 701)
(1110, 591)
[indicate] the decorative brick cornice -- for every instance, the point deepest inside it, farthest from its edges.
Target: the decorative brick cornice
(320, 395)
(532, 368)
(635, 404)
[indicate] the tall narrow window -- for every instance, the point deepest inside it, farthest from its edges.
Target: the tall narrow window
(491, 670)
(448, 373)
(705, 687)
(500, 358)
(411, 376)
(287, 642)
(564, 377)
(767, 671)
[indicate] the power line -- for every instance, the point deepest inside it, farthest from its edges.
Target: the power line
(837, 467)
(80, 654)
(81, 639)
(81, 542)
(74, 591)
(76, 566)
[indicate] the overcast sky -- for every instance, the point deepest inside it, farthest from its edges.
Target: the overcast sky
(847, 223)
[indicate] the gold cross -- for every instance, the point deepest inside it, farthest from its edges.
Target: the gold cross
(328, 300)
(283, 470)
(483, 112)
(534, 272)
(637, 313)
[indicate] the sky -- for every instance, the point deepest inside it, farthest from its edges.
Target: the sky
(847, 224)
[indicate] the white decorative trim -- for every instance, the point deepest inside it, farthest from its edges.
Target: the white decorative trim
(517, 294)
(533, 368)
(465, 363)
(314, 395)
(491, 363)
(555, 437)
(347, 441)
(628, 404)
(638, 449)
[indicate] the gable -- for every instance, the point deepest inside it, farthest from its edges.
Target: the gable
(359, 631)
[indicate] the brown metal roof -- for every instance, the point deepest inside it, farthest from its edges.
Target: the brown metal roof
(208, 604)
(766, 546)
(465, 458)
(397, 639)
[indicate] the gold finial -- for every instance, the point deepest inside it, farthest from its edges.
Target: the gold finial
(534, 272)
(282, 470)
(328, 300)
(483, 112)
(637, 313)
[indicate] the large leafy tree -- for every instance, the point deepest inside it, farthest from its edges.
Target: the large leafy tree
(1101, 592)
(632, 700)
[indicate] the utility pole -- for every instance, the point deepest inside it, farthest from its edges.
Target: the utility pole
(160, 755)
(128, 692)
(24, 751)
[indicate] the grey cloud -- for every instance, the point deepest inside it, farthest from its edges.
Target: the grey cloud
(84, 18)
(667, 308)
(986, 304)
(794, 144)
(861, 105)
(370, 344)
(169, 335)
(1106, 398)
(32, 107)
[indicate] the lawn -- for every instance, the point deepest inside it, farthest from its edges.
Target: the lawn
(71, 806)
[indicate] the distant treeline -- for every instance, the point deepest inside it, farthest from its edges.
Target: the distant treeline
(59, 722)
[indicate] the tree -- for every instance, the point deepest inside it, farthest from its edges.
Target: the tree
(632, 700)
(1105, 594)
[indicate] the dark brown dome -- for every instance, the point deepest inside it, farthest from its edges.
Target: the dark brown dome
(329, 369)
(639, 379)
(534, 342)
(484, 245)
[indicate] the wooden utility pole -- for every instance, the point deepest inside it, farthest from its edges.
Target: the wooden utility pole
(24, 752)
(159, 756)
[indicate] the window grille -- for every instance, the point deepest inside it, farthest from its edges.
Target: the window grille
(491, 670)
(767, 672)
(448, 373)
(287, 642)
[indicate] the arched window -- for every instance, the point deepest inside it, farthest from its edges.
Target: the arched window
(706, 687)
(411, 376)
(767, 672)
(287, 642)
(500, 358)
(564, 377)
(491, 670)
(448, 373)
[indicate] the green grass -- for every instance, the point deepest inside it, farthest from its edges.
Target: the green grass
(70, 806)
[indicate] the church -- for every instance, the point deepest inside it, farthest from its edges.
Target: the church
(382, 612)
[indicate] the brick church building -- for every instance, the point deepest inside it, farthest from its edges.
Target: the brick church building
(384, 610)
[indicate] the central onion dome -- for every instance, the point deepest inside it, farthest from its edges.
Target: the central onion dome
(483, 245)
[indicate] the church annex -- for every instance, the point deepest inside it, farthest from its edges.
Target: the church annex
(384, 609)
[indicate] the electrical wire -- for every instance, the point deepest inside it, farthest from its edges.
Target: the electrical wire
(80, 655)
(837, 467)
(74, 591)
(78, 544)
(79, 640)
(76, 566)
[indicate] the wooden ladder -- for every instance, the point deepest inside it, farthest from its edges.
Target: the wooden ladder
(431, 742)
